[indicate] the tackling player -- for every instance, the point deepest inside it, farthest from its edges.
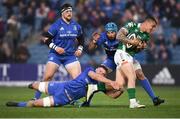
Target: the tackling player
(61, 38)
(63, 93)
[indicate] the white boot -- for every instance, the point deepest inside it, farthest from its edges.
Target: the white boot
(135, 104)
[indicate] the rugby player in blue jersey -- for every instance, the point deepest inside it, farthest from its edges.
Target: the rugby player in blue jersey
(63, 93)
(62, 38)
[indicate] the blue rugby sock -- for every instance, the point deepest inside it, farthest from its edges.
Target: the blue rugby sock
(37, 94)
(22, 104)
(147, 87)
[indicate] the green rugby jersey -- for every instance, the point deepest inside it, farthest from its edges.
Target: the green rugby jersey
(133, 30)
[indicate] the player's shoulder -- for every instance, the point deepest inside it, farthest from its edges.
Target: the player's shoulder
(57, 22)
(89, 68)
(103, 34)
(73, 22)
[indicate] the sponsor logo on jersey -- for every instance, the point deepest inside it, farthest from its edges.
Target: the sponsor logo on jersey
(61, 29)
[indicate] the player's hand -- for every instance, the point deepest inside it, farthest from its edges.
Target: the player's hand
(135, 42)
(95, 37)
(43, 39)
(142, 45)
(78, 53)
(115, 85)
(59, 50)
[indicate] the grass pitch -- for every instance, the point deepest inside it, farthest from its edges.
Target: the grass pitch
(102, 106)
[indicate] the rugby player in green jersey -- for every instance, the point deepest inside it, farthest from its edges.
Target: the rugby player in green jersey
(134, 38)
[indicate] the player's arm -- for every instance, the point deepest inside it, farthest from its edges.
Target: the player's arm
(93, 42)
(122, 36)
(80, 39)
(47, 39)
(80, 42)
(103, 79)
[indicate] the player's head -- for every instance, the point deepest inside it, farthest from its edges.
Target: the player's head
(66, 11)
(102, 70)
(111, 30)
(150, 24)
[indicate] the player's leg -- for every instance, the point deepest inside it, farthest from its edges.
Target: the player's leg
(125, 68)
(55, 90)
(72, 66)
(74, 69)
(44, 102)
(51, 68)
(39, 86)
(145, 84)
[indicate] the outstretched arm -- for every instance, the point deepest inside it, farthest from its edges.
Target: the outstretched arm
(93, 41)
(103, 79)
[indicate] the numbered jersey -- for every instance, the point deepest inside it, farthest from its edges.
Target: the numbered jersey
(133, 30)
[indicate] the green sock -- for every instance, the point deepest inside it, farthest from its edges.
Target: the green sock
(101, 87)
(131, 93)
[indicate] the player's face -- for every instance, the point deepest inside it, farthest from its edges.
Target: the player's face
(101, 71)
(67, 14)
(111, 35)
(150, 27)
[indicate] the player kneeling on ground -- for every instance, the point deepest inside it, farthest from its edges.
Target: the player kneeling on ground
(63, 93)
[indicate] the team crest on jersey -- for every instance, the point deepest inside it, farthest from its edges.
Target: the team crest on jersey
(74, 28)
(61, 29)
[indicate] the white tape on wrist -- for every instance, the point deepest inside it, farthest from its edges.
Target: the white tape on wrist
(52, 46)
(80, 47)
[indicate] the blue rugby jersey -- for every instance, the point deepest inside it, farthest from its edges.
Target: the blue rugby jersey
(110, 46)
(76, 88)
(65, 35)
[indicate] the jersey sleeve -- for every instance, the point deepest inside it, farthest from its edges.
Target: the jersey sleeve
(53, 29)
(101, 39)
(80, 31)
(89, 69)
(146, 37)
